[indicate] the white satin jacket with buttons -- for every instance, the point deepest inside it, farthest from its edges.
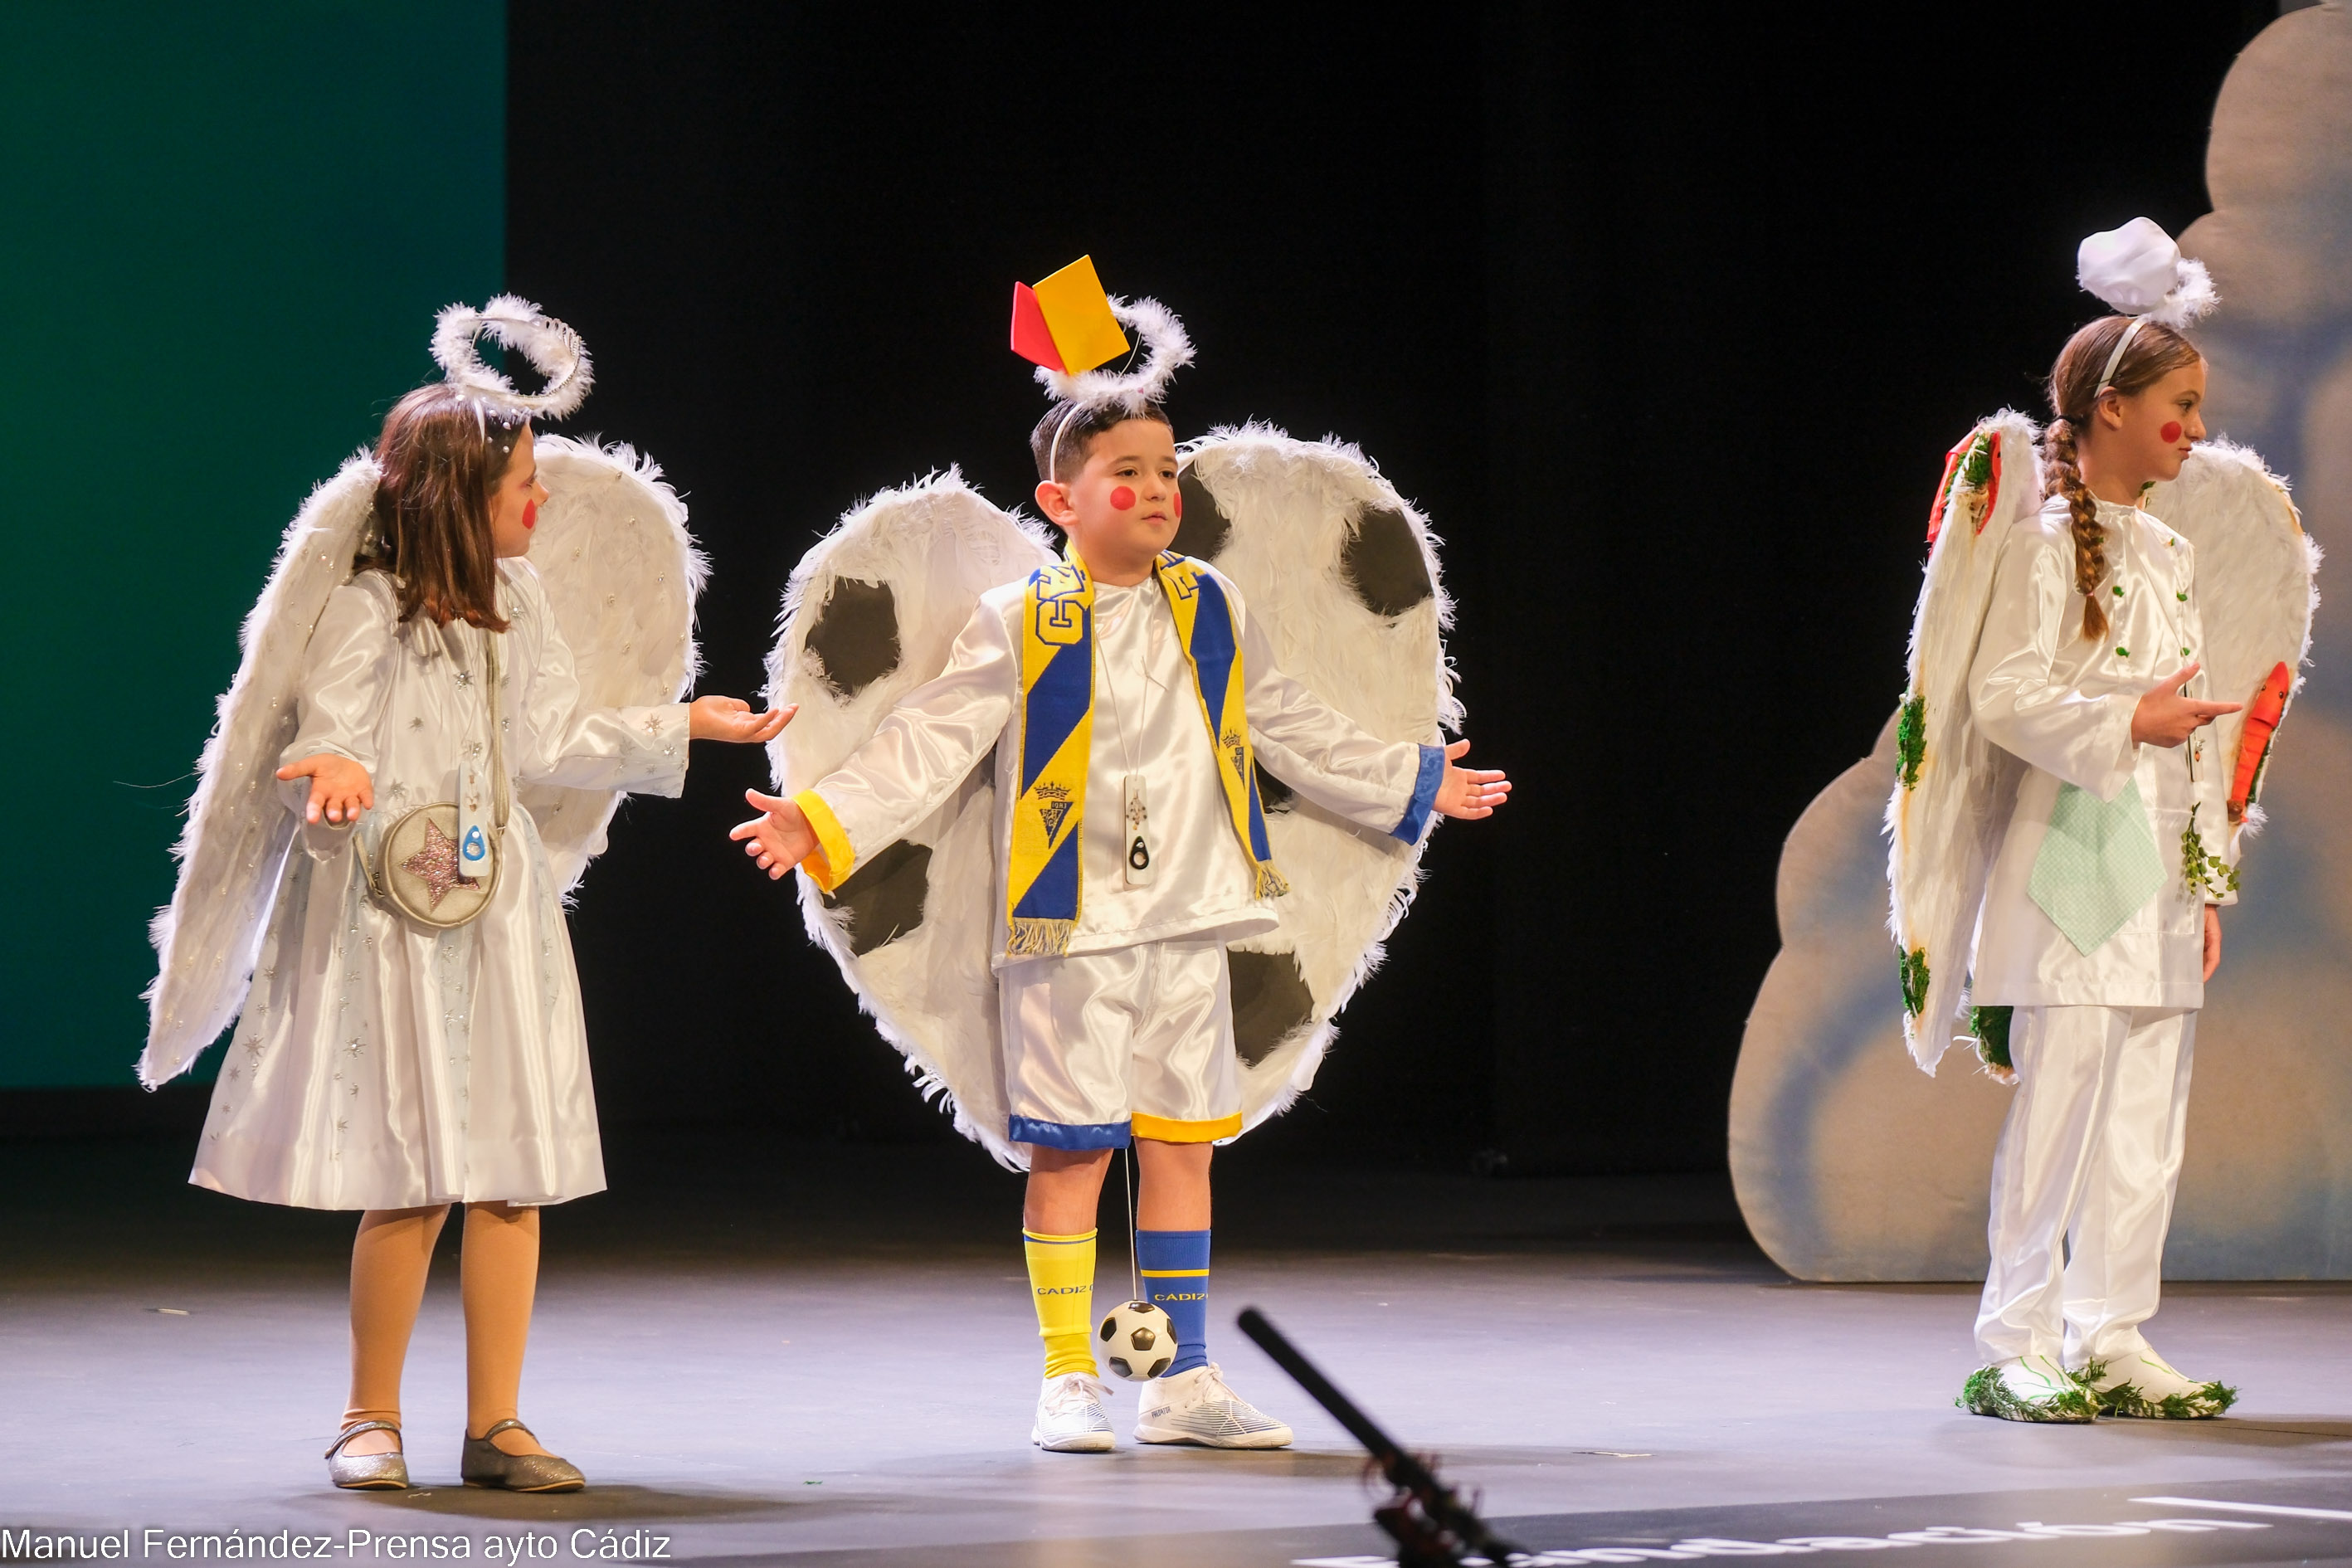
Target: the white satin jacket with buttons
(2063, 705)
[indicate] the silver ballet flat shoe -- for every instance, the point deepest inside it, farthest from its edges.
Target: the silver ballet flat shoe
(485, 1464)
(366, 1472)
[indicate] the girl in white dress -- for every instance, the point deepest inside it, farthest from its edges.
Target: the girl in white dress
(394, 1066)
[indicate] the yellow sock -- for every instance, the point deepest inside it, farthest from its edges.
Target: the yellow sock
(1062, 1276)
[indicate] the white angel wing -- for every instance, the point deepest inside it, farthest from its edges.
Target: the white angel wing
(872, 612)
(1952, 788)
(235, 844)
(1342, 573)
(2256, 571)
(621, 575)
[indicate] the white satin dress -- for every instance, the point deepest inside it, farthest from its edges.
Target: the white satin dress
(2102, 1040)
(383, 1063)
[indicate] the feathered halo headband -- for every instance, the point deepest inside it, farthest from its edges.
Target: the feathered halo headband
(1067, 326)
(553, 350)
(2137, 270)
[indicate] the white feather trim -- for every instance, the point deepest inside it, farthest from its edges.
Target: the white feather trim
(2190, 300)
(1167, 349)
(2256, 579)
(1942, 830)
(206, 938)
(621, 575)
(553, 349)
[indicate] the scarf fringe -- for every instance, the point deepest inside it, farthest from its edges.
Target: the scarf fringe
(1035, 938)
(1271, 884)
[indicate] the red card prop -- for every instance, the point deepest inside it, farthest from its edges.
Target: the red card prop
(1033, 339)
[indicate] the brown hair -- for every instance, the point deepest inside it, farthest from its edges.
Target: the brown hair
(440, 456)
(1084, 424)
(2156, 352)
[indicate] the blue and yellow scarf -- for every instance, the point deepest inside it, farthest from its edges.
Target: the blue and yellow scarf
(1057, 696)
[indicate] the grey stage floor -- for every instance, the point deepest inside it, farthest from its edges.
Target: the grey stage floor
(828, 1356)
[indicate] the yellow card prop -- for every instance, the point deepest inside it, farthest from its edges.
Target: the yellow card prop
(1065, 322)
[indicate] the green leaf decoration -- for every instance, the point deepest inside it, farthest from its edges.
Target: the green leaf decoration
(1915, 981)
(1990, 1026)
(2207, 874)
(1911, 738)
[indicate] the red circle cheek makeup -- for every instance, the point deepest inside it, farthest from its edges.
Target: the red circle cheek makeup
(1123, 499)
(1179, 501)
(530, 514)
(2171, 431)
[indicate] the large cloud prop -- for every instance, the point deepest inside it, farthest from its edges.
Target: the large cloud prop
(1850, 1164)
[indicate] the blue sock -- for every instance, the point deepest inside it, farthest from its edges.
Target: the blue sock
(1175, 1267)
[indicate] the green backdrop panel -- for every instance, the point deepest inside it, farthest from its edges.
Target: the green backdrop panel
(223, 231)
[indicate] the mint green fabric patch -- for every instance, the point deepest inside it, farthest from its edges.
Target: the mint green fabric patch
(2098, 866)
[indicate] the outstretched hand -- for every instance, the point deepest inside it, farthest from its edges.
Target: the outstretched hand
(731, 719)
(339, 787)
(2166, 717)
(1470, 791)
(779, 841)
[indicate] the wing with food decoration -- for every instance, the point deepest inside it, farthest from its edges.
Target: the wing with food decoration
(1342, 573)
(621, 575)
(1952, 787)
(2255, 572)
(235, 844)
(872, 613)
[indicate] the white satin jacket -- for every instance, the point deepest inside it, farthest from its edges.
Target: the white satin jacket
(2065, 706)
(379, 1063)
(1146, 721)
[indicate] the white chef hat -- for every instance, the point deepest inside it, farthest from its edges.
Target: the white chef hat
(2139, 271)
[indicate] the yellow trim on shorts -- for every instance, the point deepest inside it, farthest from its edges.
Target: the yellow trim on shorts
(1173, 1273)
(833, 858)
(1162, 1130)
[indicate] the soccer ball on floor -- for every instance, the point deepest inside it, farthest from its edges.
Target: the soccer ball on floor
(1136, 1340)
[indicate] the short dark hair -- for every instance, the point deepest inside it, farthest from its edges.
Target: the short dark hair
(1082, 425)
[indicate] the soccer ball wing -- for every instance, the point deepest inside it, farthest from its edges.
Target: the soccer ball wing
(621, 575)
(873, 612)
(1952, 787)
(1342, 574)
(235, 844)
(2255, 594)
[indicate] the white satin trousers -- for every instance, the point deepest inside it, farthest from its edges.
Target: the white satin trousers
(2083, 1181)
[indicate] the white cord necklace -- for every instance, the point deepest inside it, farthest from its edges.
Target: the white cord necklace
(1137, 855)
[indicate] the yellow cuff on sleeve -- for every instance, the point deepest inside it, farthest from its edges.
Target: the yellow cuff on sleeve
(833, 858)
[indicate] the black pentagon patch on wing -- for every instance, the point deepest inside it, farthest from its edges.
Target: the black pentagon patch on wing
(855, 637)
(1273, 795)
(884, 896)
(1383, 566)
(1270, 1000)
(1203, 531)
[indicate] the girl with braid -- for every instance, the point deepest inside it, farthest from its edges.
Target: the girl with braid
(2096, 938)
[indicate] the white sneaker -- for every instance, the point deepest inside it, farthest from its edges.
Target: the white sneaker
(2026, 1388)
(2142, 1383)
(1070, 1416)
(1196, 1406)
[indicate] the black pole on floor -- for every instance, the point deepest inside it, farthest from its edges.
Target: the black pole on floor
(1432, 1528)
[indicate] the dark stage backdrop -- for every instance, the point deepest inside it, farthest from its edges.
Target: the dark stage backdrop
(223, 233)
(1666, 314)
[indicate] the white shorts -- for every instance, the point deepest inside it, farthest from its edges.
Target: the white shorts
(1135, 1042)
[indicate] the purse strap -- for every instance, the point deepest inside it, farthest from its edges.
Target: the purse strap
(499, 787)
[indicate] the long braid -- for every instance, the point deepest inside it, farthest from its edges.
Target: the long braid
(2063, 475)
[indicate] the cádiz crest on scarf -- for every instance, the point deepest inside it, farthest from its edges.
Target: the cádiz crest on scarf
(1044, 887)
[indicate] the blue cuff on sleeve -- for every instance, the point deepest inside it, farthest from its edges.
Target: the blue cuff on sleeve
(1425, 795)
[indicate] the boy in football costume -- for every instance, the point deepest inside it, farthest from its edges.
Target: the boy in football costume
(1129, 696)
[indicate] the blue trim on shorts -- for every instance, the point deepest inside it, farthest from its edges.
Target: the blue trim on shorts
(1425, 795)
(1068, 1134)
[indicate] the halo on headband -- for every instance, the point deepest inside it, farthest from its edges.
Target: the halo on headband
(2137, 270)
(553, 349)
